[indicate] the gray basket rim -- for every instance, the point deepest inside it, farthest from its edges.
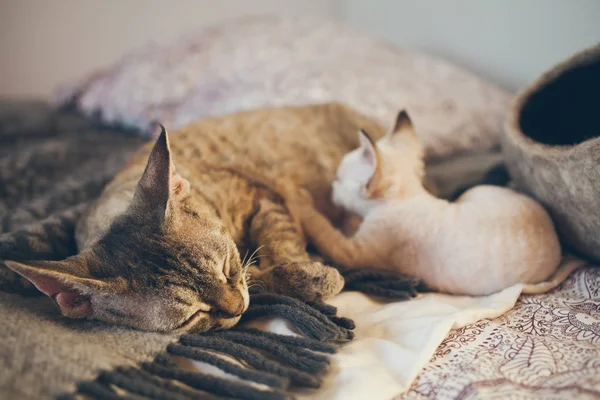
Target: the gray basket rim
(512, 129)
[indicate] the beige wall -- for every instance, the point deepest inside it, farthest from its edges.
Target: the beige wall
(507, 41)
(46, 42)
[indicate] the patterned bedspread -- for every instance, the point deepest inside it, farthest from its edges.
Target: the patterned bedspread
(547, 347)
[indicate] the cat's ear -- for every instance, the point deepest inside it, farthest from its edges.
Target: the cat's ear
(371, 160)
(403, 125)
(160, 183)
(67, 282)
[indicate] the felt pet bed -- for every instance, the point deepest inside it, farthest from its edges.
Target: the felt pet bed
(551, 145)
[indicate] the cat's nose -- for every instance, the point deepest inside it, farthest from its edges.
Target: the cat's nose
(233, 310)
(230, 305)
(239, 310)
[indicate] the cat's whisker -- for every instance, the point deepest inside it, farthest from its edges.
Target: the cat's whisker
(256, 257)
(253, 257)
(247, 265)
(257, 249)
(244, 258)
(256, 285)
(261, 256)
(251, 263)
(255, 252)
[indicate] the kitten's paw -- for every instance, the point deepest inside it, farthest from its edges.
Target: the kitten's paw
(307, 281)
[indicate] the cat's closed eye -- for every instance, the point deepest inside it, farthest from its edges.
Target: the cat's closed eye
(227, 268)
(232, 273)
(234, 277)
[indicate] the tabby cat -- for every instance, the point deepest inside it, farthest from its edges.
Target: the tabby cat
(490, 238)
(160, 249)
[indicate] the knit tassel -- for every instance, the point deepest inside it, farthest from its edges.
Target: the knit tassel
(253, 358)
(305, 318)
(388, 284)
(198, 354)
(307, 360)
(297, 341)
(212, 384)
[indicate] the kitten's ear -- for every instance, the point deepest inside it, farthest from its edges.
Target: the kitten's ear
(403, 125)
(160, 182)
(66, 282)
(369, 152)
(372, 161)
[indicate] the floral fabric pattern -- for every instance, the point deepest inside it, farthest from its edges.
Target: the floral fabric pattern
(547, 347)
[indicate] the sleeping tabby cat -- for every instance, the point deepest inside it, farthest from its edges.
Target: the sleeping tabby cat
(160, 249)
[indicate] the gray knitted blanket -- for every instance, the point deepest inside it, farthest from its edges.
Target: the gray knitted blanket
(52, 165)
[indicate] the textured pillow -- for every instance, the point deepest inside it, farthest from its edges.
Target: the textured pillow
(271, 61)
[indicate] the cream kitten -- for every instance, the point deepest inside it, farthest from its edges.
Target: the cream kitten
(489, 239)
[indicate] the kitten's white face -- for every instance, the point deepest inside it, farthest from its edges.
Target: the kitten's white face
(353, 173)
(391, 168)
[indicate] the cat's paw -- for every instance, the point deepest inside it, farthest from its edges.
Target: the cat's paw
(307, 281)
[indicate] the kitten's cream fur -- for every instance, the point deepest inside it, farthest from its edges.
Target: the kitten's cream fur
(489, 239)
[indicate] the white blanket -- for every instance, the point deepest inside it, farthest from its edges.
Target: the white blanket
(395, 340)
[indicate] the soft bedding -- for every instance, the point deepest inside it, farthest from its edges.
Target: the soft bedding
(546, 347)
(435, 346)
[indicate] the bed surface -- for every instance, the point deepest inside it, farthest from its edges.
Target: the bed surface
(547, 346)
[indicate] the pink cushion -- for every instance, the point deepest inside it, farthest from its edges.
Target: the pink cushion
(271, 61)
